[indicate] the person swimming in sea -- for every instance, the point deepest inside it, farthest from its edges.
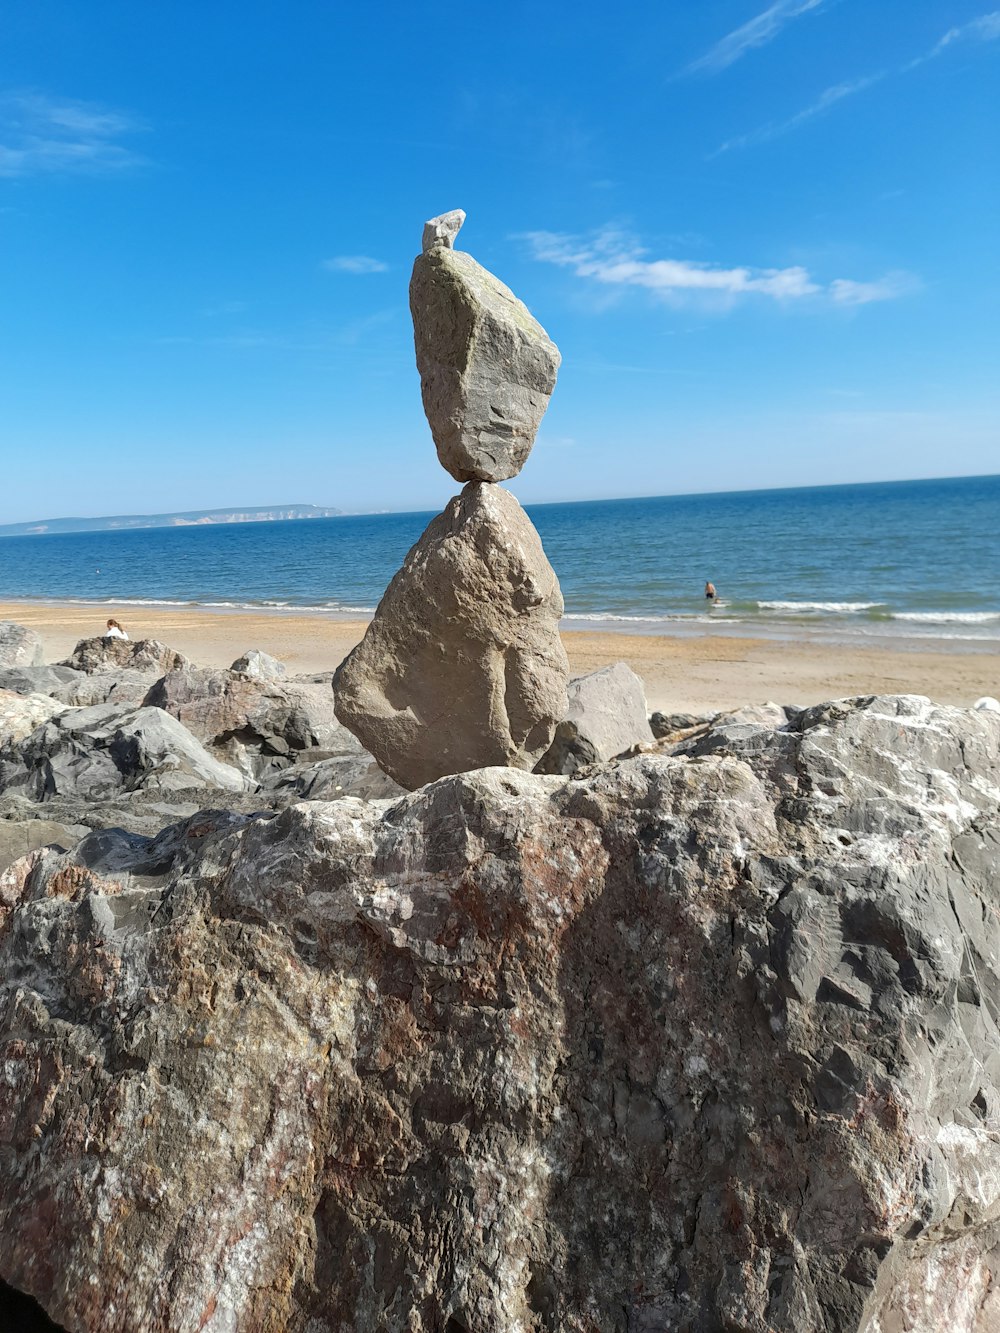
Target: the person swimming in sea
(710, 592)
(114, 631)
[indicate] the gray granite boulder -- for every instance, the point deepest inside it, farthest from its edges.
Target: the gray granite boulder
(333, 779)
(255, 723)
(99, 752)
(462, 665)
(487, 367)
(19, 646)
(107, 654)
(259, 666)
(673, 1046)
(605, 716)
(137, 811)
(123, 687)
(36, 679)
(20, 714)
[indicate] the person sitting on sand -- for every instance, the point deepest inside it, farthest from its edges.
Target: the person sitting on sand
(114, 631)
(710, 592)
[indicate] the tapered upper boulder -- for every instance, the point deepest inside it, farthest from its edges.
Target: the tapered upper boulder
(487, 367)
(462, 666)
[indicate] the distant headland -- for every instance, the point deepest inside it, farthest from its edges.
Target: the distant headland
(190, 518)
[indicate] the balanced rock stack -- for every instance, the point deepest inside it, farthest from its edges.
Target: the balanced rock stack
(462, 666)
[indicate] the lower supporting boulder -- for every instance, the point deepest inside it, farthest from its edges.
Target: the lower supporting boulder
(462, 666)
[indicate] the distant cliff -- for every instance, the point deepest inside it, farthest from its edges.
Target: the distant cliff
(179, 520)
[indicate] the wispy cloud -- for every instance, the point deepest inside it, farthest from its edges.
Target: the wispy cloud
(42, 134)
(757, 32)
(845, 291)
(826, 99)
(615, 260)
(986, 28)
(355, 264)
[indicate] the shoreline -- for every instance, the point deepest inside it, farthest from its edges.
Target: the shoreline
(899, 638)
(683, 672)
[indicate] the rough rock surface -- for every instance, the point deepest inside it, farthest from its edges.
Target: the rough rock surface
(19, 646)
(253, 723)
(442, 230)
(333, 778)
(20, 714)
(605, 716)
(693, 1044)
(141, 811)
(124, 687)
(18, 837)
(36, 679)
(99, 752)
(259, 666)
(462, 666)
(487, 367)
(102, 654)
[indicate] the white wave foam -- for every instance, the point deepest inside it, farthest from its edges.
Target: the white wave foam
(948, 617)
(608, 615)
(681, 618)
(834, 608)
(193, 603)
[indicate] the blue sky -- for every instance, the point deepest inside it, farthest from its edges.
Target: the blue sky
(764, 237)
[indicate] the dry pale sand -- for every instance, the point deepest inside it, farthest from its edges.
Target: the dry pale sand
(682, 674)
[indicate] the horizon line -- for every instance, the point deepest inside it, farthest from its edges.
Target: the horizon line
(527, 504)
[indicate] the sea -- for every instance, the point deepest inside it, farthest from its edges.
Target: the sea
(909, 561)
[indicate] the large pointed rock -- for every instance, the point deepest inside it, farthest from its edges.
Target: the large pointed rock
(487, 367)
(462, 666)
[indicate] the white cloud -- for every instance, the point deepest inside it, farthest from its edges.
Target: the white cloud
(44, 134)
(355, 264)
(612, 258)
(845, 291)
(757, 32)
(615, 260)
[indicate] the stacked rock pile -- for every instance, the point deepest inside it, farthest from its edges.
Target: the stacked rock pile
(462, 666)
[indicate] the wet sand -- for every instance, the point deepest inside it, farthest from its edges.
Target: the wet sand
(689, 673)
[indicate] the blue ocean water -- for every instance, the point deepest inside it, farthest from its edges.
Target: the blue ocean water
(913, 559)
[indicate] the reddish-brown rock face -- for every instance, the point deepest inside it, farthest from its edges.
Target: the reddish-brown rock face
(700, 1041)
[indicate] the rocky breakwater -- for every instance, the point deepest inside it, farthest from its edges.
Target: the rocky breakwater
(132, 736)
(705, 1039)
(462, 665)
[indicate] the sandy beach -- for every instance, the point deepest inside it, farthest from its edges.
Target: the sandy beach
(689, 673)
